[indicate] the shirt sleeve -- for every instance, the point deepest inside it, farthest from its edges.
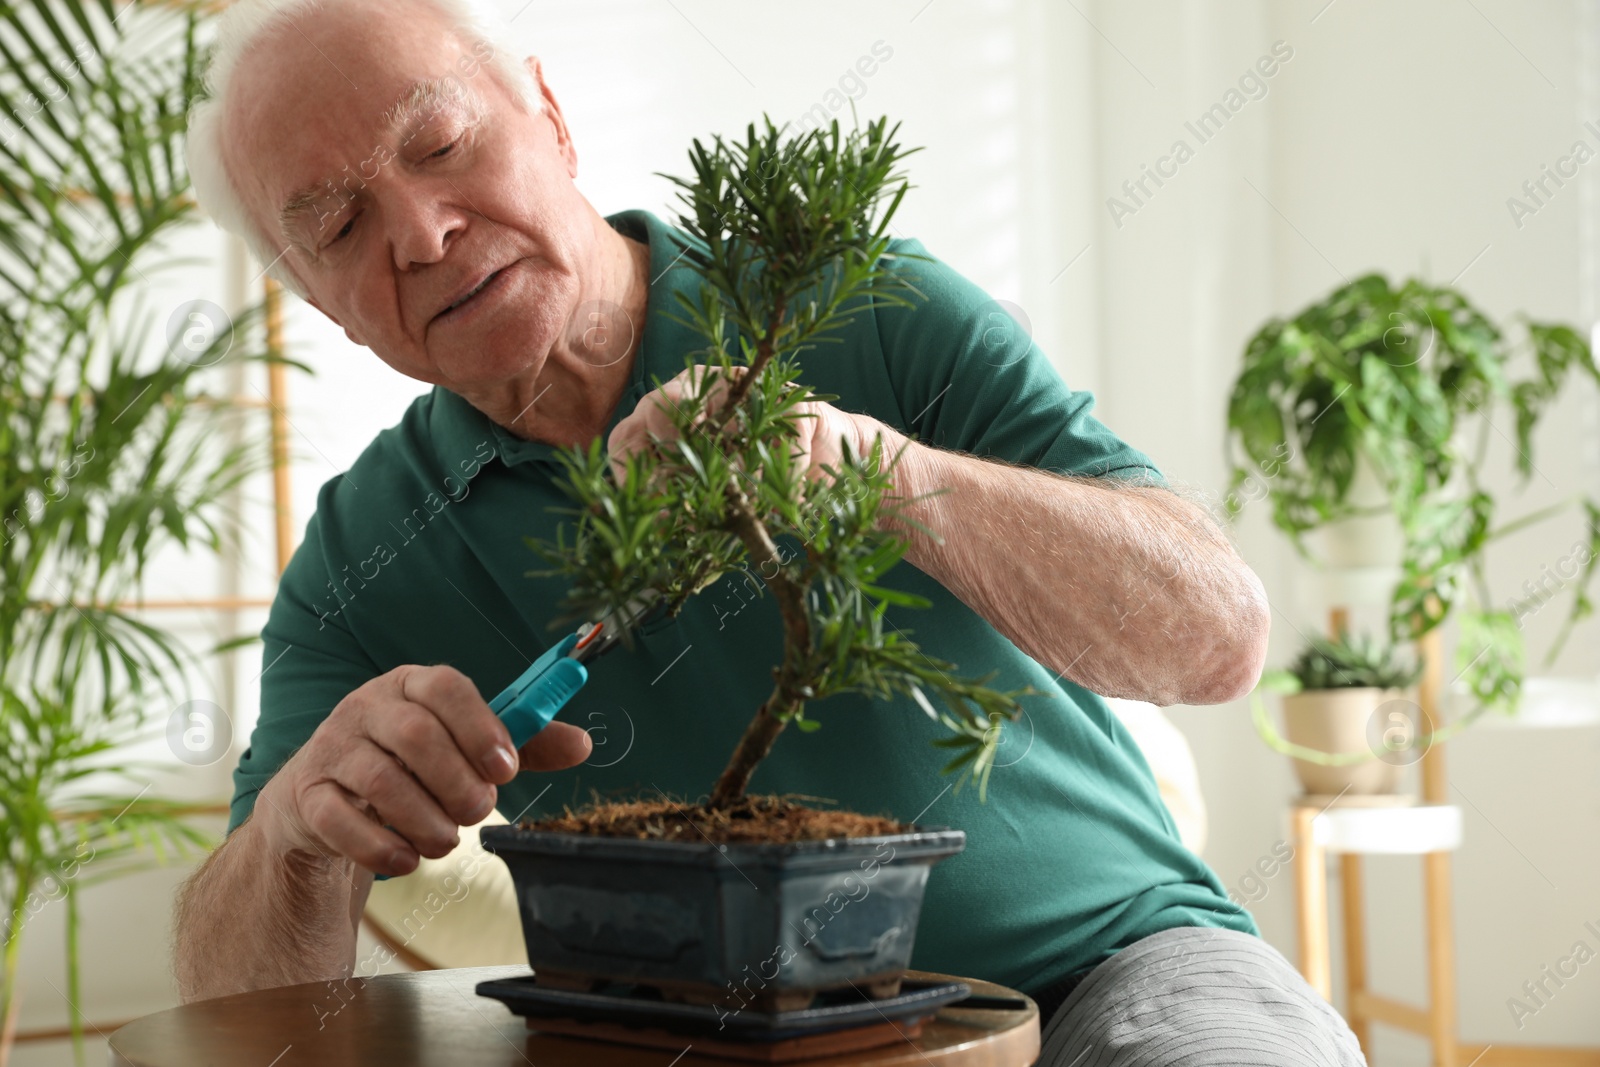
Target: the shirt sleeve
(310, 662)
(968, 377)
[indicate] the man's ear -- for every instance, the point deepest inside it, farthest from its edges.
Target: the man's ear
(553, 112)
(353, 338)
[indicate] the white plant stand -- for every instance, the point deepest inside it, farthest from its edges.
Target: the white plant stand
(1432, 830)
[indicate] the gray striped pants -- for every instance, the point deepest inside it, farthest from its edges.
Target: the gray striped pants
(1197, 997)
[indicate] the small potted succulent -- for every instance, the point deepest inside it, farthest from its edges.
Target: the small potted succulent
(1350, 723)
(744, 900)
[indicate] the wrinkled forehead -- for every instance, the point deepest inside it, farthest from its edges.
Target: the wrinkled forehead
(316, 95)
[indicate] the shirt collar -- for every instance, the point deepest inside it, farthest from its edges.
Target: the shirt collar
(458, 429)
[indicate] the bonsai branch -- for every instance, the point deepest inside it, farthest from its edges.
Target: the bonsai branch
(691, 586)
(765, 350)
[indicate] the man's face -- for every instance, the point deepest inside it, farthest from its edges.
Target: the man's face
(423, 209)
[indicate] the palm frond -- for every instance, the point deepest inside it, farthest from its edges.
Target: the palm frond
(109, 448)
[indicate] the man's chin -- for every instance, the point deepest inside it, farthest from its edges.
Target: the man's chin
(484, 378)
(508, 347)
(501, 361)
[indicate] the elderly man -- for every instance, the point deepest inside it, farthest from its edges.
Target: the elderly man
(398, 170)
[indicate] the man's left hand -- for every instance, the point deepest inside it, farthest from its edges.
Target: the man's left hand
(823, 427)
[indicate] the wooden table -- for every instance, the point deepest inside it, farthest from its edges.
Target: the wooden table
(434, 1017)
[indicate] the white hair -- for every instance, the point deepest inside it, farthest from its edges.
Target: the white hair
(237, 29)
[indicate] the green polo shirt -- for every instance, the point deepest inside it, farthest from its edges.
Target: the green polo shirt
(417, 556)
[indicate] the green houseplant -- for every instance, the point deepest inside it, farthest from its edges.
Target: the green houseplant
(1401, 387)
(794, 232)
(1349, 723)
(108, 450)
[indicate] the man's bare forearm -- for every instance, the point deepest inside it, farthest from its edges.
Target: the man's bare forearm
(255, 916)
(1130, 592)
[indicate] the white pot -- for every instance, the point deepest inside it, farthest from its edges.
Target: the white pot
(1347, 721)
(1363, 540)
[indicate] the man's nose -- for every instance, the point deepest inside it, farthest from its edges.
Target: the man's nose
(422, 225)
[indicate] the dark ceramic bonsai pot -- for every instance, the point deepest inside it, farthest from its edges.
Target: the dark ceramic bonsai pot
(739, 925)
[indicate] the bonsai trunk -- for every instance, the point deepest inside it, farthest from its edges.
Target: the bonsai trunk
(786, 699)
(764, 353)
(752, 749)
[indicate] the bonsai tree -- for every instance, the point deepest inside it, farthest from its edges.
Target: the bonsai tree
(795, 234)
(108, 451)
(1396, 377)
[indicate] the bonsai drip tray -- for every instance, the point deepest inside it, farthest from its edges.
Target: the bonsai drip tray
(838, 1021)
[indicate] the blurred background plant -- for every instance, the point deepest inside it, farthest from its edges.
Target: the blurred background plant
(1344, 662)
(111, 449)
(1405, 381)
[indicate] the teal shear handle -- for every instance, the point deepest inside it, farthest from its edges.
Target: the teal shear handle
(528, 704)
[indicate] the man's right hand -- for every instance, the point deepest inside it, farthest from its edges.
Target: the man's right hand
(398, 767)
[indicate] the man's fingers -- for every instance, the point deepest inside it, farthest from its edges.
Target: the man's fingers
(655, 419)
(348, 831)
(557, 747)
(823, 430)
(420, 740)
(628, 437)
(455, 701)
(399, 800)
(654, 413)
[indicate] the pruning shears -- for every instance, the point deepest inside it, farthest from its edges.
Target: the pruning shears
(528, 704)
